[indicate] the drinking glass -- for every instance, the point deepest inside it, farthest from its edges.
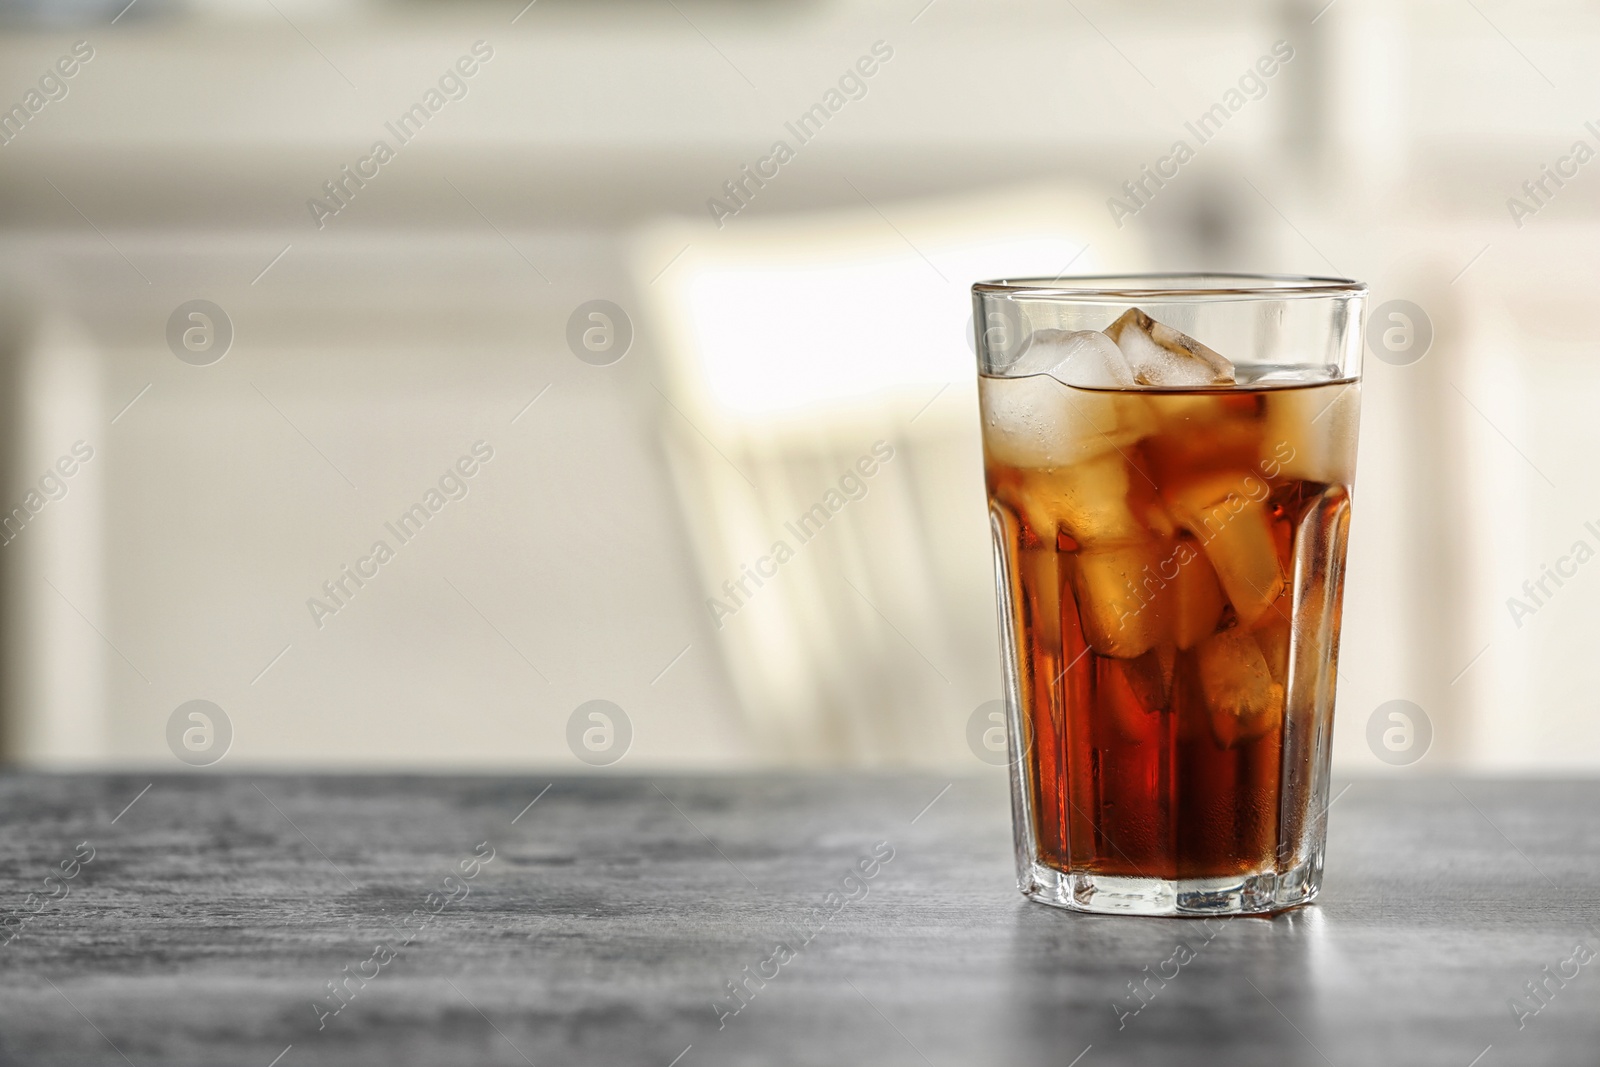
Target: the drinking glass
(1169, 462)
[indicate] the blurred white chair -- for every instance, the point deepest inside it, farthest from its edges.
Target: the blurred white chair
(822, 365)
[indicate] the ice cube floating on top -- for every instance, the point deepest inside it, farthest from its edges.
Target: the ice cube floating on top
(1133, 350)
(1033, 424)
(1160, 355)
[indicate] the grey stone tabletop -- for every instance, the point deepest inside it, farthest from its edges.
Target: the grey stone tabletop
(775, 919)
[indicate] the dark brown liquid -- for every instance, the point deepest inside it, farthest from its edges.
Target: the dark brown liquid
(1161, 581)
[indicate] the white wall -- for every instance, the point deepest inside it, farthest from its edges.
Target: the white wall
(417, 322)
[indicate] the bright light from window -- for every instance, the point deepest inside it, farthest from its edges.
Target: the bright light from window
(800, 320)
(782, 338)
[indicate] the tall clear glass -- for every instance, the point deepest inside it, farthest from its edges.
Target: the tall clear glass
(1169, 461)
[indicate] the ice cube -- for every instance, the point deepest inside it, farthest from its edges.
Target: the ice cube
(1185, 411)
(1039, 422)
(1089, 501)
(1160, 355)
(1226, 512)
(1087, 359)
(1196, 598)
(1121, 598)
(1273, 637)
(1244, 700)
(1311, 433)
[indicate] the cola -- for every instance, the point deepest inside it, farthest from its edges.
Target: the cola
(1171, 565)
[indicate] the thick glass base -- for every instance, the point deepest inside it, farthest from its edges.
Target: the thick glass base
(1254, 894)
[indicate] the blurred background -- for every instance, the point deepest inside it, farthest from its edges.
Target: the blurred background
(632, 287)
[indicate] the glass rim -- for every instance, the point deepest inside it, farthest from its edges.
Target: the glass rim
(1171, 286)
